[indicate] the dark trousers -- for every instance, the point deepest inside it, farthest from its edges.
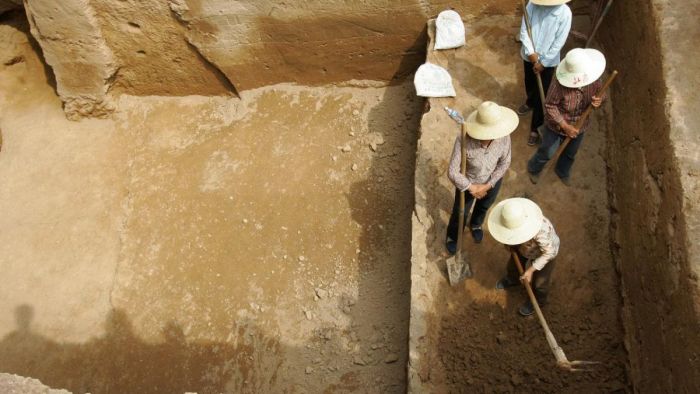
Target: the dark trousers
(533, 92)
(480, 209)
(549, 145)
(540, 279)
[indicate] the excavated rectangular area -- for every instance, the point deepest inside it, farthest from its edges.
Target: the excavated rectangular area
(470, 337)
(248, 197)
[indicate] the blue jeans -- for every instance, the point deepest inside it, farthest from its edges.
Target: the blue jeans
(549, 145)
(480, 209)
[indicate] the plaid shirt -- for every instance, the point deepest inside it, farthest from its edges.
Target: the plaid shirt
(568, 104)
(484, 165)
(543, 248)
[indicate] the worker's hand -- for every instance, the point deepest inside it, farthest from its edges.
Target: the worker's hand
(479, 190)
(569, 130)
(537, 68)
(533, 57)
(596, 101)
(527, 275)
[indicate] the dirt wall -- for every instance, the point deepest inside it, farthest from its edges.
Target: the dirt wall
(653, 168)
(257, 43)
(217, 47)
(8, 5)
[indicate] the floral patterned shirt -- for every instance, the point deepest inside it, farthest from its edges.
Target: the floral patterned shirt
(484, 165)
(543, 248)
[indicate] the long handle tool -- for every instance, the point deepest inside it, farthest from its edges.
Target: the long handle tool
(562, 361)
(599, 21)
(457, 268)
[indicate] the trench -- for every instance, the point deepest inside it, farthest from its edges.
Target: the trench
(291, 239)
(626, 287)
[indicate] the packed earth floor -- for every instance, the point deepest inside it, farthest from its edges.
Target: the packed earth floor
(209, 245)
(475, 341)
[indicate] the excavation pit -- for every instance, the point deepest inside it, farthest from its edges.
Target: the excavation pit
(641, 324)
(270, 242)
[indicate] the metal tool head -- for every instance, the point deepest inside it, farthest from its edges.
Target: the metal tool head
(573, 366)
(457, 270)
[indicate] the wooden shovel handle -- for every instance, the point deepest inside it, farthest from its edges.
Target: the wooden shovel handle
(463, 171)
(600, 91)
(556, 349)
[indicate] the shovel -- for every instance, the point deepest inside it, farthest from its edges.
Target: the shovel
(457, 268)
(562, 361)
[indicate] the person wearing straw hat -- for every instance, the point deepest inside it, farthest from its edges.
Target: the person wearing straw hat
(573, 90)
(488, 157)
(550, 21)
(520, 224)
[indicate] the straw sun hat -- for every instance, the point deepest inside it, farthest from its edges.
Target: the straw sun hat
(491, 121)
(549, 2)
(580, 67)
(514, 221)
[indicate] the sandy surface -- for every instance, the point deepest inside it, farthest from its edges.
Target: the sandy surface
(470, 338)
(207, 244)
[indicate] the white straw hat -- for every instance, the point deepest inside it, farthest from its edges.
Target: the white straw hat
(580, 67)
(514, 221)
(549, 2)
(491, 121)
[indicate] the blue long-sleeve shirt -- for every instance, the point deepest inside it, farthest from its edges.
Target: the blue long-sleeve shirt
(550, 28)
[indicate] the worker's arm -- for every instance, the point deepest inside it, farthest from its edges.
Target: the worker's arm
(454, 172)
(562, 33)
(501, 166)
(528, 47)
(555, 95)
(597, 101)
(548, 245)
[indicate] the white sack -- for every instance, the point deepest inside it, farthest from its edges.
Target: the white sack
(449, 31)
(433, 81)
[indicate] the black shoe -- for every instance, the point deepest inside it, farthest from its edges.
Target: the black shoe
(533, 139)
(534, 178)
(505, 283)
(523, 109)
(565, 181)
(451, 246)
(527, 309)
(477, 234)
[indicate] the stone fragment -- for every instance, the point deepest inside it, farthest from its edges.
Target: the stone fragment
(321, 293)
(391, 358)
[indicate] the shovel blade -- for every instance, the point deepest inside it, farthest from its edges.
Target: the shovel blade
(457, 270)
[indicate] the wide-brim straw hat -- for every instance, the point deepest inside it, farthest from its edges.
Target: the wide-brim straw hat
(491, 121)
(580, 67)
(549, 2)
(515, 221)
